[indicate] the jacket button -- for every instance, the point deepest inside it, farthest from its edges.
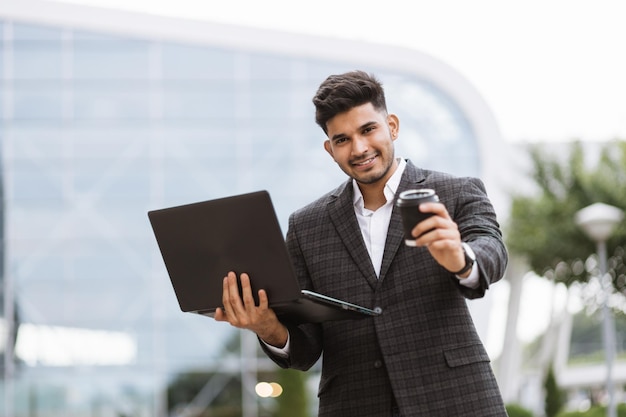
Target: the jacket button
(378, 310)
(378, 363)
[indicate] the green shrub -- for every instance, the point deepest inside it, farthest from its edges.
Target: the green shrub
(595, 411)
(516, 410)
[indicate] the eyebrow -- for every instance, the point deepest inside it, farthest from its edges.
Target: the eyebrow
(338, 136)
(369, 124)
(363, 126)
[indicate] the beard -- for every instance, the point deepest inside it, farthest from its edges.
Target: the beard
(376, 174)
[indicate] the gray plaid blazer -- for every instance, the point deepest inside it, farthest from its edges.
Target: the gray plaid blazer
(423, 353)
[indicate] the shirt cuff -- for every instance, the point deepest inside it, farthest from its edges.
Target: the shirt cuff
(472, 281)
(281, 352)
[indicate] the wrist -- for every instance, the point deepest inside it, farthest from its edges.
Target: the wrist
(466, 274)
(469, 260)
(277, 337)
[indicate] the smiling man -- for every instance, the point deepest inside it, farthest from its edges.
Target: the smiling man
(422, 356)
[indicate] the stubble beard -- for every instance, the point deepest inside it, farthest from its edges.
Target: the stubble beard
(374, 177)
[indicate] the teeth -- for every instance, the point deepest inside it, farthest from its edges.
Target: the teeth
(365, 162)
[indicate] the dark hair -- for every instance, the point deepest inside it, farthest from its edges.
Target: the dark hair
(340, 93)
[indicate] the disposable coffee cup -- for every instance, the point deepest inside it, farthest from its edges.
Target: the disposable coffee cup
(408, 202)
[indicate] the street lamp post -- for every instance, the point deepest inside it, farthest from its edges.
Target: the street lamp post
(598, 222)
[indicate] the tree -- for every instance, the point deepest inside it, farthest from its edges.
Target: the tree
(186, 386)
(293, 402)
(223, 391)
(542, 228)
(554, 396)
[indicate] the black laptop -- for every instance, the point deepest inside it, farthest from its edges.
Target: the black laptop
(201, 242)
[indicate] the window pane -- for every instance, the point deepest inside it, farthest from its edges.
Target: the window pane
(112, 101)
(37, 60)
(110, 58)
(187, 62)
(38, 100)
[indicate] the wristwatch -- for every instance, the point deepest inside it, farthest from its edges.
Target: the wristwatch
(470, 258)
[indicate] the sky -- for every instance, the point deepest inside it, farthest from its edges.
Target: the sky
(550, 70)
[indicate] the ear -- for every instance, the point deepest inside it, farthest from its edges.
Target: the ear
(328, 148)
(394, 125)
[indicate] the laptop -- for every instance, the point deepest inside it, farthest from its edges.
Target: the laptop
(201, 242)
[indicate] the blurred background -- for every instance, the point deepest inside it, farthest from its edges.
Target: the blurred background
(109, 109)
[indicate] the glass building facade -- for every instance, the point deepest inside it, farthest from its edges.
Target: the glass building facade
(97, 128)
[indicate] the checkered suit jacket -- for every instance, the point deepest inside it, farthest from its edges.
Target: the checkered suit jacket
(423, 352)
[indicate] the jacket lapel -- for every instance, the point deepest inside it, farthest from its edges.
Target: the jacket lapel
(341, 212)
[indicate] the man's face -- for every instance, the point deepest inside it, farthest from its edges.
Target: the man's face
(360, 141)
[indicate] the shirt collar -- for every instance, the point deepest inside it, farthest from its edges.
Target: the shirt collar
(390, 187)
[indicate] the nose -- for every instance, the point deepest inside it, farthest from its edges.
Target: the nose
(359, 145)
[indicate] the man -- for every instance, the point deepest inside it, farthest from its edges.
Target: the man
(422, 355)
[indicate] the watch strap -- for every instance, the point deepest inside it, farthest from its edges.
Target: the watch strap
(469, 262)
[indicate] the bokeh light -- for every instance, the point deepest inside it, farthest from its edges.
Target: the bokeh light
(268, 389)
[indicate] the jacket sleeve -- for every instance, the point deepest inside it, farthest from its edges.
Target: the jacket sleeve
(478, 225)
(305, 340)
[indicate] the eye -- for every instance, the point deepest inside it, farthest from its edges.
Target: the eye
(340, 140)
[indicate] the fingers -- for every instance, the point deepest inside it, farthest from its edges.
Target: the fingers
(439, 234)
(436, 208)
(239, 309)
(246, 292)
(233, 304)
(230, 294)
(263, 300)
(220, 314)
(436, 229)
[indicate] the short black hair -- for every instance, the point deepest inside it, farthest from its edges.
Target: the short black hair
(340, 93)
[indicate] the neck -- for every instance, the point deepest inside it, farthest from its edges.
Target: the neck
(373, 199)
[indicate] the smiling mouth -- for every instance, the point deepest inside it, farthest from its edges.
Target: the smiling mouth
(365, 162)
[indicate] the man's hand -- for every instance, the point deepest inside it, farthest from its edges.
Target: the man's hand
(444, 240)
(241, 311)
